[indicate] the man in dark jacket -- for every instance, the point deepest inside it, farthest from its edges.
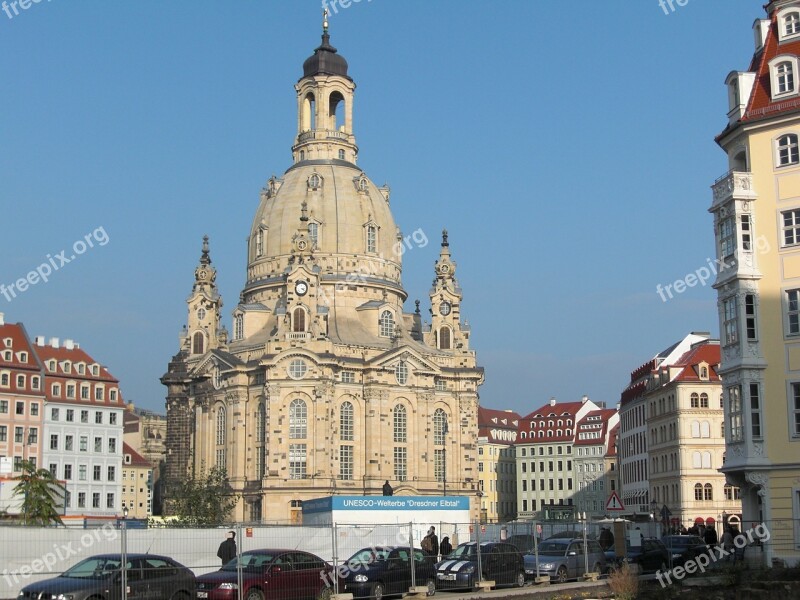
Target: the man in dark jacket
(227, 549)
(710, 536)
(430, 543)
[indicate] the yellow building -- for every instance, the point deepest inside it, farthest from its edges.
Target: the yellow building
(327, 385)
(497, 479)
(756, 208)
(137, 483)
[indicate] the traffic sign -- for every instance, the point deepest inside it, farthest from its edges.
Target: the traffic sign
(614, 503)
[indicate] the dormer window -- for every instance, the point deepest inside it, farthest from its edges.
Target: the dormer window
(95, 370)
(81, 369)
(67, 367)
(386, 324)
(23, 357)
(313, 233)
(783, 70)
(51, 366)
(372, 238)
(787, 150)
(8, 342)
(790, 24)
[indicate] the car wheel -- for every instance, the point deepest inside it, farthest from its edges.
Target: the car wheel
(180, 596)
(431, 585)
(377, 591)
(561, 574)
(254, 594)
(520, 579)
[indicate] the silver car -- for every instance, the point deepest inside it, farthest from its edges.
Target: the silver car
(563, 558)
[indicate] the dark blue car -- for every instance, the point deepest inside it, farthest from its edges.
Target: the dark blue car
(381, 571)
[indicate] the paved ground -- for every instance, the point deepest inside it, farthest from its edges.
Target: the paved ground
(529, 591)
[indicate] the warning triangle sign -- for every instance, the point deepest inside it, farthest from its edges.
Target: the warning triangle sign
(614, 503)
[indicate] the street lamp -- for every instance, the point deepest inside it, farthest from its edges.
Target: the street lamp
(653, 513)
(444, 458)
(582, 518)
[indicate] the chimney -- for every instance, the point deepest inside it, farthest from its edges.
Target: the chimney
(39, 341)
(552, 401)
(2, 319)
(69, 344)
(54, 342)
(584, 399)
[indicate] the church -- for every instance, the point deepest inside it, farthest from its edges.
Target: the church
(326, 386)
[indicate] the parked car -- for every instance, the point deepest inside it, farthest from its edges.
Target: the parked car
(386, 571)
(562, 559)
(652, 555)
(271, 574)
(684, 547)
(100, 578)
(523, 541)
(499, 562)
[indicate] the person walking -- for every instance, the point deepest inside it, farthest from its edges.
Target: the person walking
(710, 536)
(430, 543)
(227, 549)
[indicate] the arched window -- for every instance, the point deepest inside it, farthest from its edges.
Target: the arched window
(694, 400)
(309, 113)
(372, 239)
(298, 319)
(221, 419)
(444, 338)
(703, 400)
(698, 491)
(787, 150)
(198, 342)
(541, 433)
(705, 429)
(400, 424)
(401, 372)
(261, 451)
(261, 422)
(238, 327)
(259, 243)
(313, 233)
(346, 422)
(386, 323)
(708, 492)
(298, 420)
(695, 429)
(336, 117)
(439, 426)
(706, 460)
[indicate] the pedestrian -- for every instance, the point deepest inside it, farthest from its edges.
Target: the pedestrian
(606, 538)
(387, 489)
(728, 545)
(445, 547)
(430, 543)
(710, 536)
(227, 549)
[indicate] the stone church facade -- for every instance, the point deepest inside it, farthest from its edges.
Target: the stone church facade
(326, 386)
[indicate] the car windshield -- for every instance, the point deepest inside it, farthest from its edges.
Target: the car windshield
(552, 547)
(674, 542)
(368, 556)
(94, 568)
(466, 552)
(251, 562)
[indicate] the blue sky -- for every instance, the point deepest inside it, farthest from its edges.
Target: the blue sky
(567, 147)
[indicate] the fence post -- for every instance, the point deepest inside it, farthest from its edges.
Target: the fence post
(411, 546)
(335, 560)
(478, 548)
(124, 556)
(239, 581)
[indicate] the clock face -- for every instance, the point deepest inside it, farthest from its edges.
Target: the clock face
(301, 287)
(444, 308)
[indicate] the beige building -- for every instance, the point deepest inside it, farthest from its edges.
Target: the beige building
(590, 462)
(137, 484)
(497, 479)
(146, 433)
(685, 434)
(756, 208)
(327, 385)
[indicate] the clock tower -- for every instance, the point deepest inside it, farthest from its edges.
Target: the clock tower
(446, 331)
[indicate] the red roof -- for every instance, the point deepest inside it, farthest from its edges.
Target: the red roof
(594, 417)
(498, 426)
(542, 418)
(612, 441)
(137, 460)
(689, 363)
(18, 341)
(761, 103)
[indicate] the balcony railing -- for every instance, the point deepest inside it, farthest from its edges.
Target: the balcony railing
(734, 184)
(298, 336)
(321, 134)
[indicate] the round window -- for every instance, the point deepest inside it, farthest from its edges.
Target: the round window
(297, 368)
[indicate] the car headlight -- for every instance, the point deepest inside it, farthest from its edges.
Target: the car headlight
(547, 566)
(360, 578)
(468, 569)
(63, 597)
(229, 586)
